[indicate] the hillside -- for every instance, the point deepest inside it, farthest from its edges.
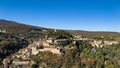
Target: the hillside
(10, 44)
(96, 35)
(12, 27)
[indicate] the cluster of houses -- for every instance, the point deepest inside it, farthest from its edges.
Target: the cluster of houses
(100, 43)
(52, 45)
(34, 49)
(95, 43)
(41, 45)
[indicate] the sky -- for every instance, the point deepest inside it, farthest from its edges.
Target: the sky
(91, 15)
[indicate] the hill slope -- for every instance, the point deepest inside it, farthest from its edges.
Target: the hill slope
(96, 35)
(17, 28)
(10, 44)
(14, 28)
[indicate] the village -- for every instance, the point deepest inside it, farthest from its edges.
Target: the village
(47, 44)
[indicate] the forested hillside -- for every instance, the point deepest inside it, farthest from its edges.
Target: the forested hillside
(10, 44)
(12, 27)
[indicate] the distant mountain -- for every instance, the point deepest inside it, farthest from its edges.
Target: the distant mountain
(14, 27)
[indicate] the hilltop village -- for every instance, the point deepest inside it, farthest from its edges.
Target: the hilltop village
(21, 59)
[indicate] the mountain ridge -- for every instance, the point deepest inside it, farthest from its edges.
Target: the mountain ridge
(11, 23)
(13, 27)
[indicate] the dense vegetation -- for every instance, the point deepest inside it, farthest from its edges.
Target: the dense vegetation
(58, 34)
(81, 55)
(10, 44)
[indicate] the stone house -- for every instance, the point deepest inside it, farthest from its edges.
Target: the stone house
(61, 42)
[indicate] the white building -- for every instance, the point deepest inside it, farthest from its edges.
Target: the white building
(3, 30)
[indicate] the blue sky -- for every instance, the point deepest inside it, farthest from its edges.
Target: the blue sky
(92, 15)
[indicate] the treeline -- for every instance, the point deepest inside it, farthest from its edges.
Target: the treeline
(59, 34)
(10, 44)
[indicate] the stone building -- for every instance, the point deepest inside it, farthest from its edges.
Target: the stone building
(61, 42)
